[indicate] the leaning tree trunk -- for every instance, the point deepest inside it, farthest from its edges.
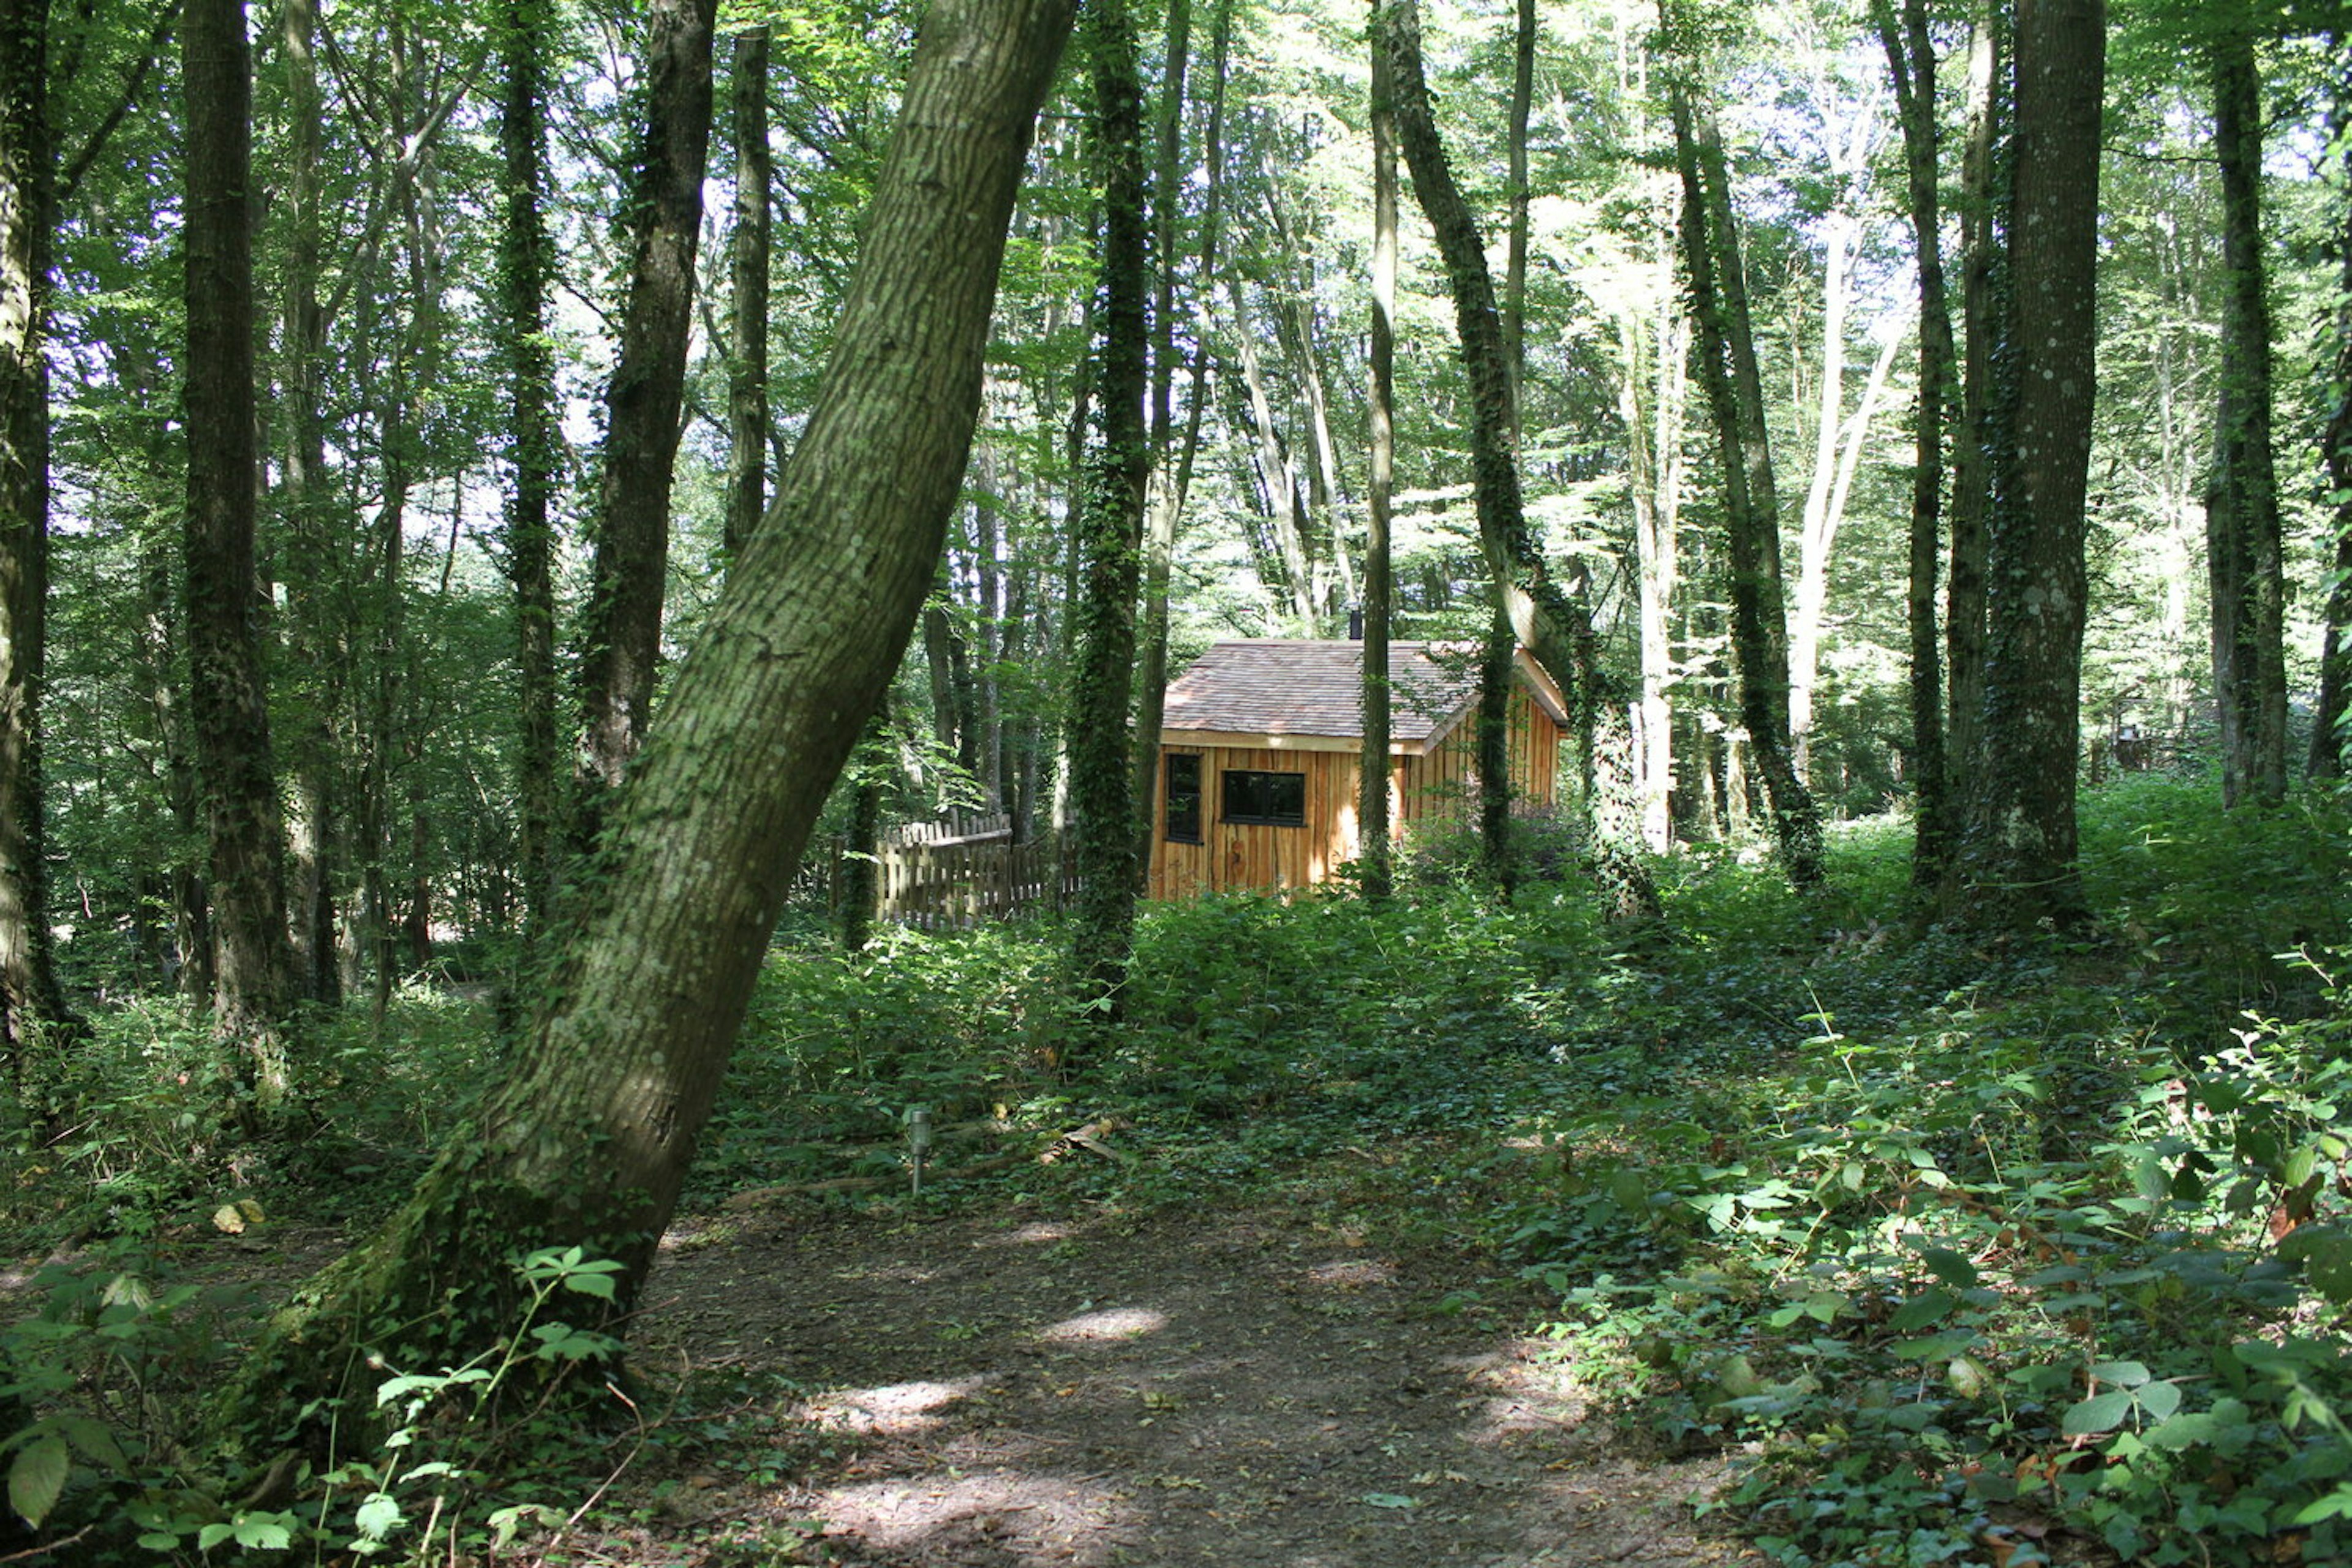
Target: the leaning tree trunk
(2329, 738)
(1111, 514)
(30, 1001)
(1555, 629)
(228, 700)
(2241, 510)
(1759, 627)
(621, 654)
(1911, 62)
(2022, 854)
(588, 1139)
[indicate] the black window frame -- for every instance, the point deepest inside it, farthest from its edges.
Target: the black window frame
(1274, 815)
(1170, 821)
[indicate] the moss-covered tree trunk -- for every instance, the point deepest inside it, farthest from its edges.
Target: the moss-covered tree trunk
(1111, 514)
(2246, 568)
(588, 1138)
(620, 657)
(2329, 740)
(1752, 505)
(30, 1001)
(1372, 801)
(1911, 63)
(1556, 629)
(228, 695)
(2021, 854)
(534, 452)
(746, 354)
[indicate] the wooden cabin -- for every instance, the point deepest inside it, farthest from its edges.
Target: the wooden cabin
(1259, 752)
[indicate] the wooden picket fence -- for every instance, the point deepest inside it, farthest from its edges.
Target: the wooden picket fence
(951, 881)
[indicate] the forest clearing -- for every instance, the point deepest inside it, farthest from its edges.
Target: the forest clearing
(1132, 781)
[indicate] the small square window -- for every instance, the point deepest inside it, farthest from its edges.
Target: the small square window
(1267, 799)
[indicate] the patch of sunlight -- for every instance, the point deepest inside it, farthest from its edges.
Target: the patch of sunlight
(1035, 1234)
(1116, 1324)
(891, 1408)
(1023, 1510)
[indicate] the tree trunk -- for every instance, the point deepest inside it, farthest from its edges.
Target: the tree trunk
(1175, 473)
(588, 1139)
(1751, 498)
(1981, 271)
(534, 453)
(1556, 630)
(1117, 467)
(2022, 854)
(747, 359)
(1374, 848)
(1493, 763)
(2331, 740)
(2242, 509)
(30, 1001)
(1911, 63)
(1514, 250)
(229, 703)
(621, 653)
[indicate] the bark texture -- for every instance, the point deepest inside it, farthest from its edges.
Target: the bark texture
(747, 357)
(1911, 63)
(620, 658)
(1983, 272)
(2331, 745)
(1372, 778)
(2245, 565)
(228, 705)
(535, 452)
(2022, 855)
(30, 1001)
(588, 1138)
(1110, 515)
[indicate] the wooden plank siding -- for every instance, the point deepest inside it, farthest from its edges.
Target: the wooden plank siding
(1233, 856)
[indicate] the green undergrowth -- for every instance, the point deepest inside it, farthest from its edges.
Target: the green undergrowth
(1963, 1248)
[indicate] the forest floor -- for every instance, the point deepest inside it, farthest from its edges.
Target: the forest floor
(1242, 1389)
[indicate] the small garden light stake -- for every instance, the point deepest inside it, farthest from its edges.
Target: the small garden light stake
(918, 1141)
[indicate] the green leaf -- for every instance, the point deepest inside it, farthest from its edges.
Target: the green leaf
(264, 1532)
(597, 1285)
(2100, 1412)
(1949, 1267)
(377, 1517)
(2160, 1399)
(1930, 1306)
(2122, 1373)
(212, 1535)
(37, 1478)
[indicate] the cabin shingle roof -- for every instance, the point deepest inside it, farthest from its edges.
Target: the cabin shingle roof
(1279, 686)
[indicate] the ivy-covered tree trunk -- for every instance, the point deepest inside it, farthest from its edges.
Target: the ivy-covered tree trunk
(747, 357)
(1983, 271)
(1373, 803)
(534, 452)
(30, 1001)
(1751, 505)
(588, 1140)
(1110, 513)
(1555, 629)
(228, 702)
(1911, 63)
(2021, 852)
(620, 655)
(2331, 741)
(2245, 565)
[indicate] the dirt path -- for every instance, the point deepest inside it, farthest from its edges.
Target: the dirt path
(1242, 1391)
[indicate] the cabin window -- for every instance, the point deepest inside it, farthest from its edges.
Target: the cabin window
(1183, 798)
(1272, 800)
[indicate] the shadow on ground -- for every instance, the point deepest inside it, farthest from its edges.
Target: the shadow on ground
(1237, 1391)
